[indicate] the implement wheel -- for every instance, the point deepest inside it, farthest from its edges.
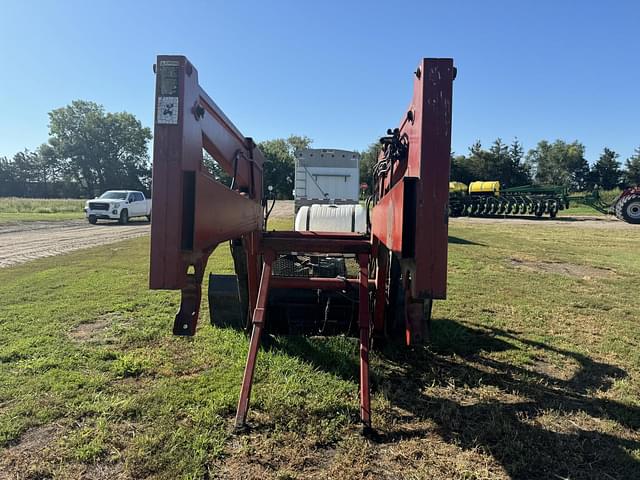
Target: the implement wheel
(538, 209)
(628, 209)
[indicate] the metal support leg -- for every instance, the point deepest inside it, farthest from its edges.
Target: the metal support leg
(254, 345)
(186, 319)
(364, 320)
(251, 242)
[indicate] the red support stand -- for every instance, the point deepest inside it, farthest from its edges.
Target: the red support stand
(252, 270)
(283, 241)
(254, 345)
(364, 320)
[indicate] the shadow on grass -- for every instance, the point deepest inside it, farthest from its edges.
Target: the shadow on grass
(527, 424)
(462, 241)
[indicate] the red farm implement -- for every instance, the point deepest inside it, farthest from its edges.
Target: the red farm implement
(625, 206)
(298, 282)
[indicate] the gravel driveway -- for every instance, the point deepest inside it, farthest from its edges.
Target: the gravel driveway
(25, 241)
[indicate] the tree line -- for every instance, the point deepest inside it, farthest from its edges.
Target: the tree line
(90, 150)
(549, 163)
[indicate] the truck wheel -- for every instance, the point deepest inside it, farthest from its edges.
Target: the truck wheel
(628, 209)
(93, 219)
(149, 217)
(124, 217)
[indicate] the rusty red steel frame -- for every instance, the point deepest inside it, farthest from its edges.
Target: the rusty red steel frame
(410, 218)
(194, 213)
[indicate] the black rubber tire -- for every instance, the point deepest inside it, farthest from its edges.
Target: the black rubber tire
(93, 219)
(124, 217)
(538, 209)
(628, 209)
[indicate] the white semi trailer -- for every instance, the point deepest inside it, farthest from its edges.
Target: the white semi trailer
(325, 176)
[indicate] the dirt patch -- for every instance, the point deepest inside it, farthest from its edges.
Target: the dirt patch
(105, 472)
(399, 452)
(553, 372)
(584, 272)
(22, 460)
(35, 456)
(94, 332)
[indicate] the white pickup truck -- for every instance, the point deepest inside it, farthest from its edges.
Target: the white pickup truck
(118, 205)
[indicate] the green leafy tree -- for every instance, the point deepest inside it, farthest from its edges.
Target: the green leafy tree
(25, 166)
(501, 162)
(519, 173)
(632, 170)
(606, 171)
(559, 163)
(41, 167)
(279, 167)
(368, 160)
(7, 171)
(215, 169)
(100, 150)
(487, 164)
(461, 169)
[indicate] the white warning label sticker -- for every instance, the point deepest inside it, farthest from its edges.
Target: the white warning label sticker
(167, 110)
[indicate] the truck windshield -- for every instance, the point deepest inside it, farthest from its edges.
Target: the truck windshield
(114, 195)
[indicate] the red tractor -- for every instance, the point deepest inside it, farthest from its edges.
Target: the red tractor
(627, 206)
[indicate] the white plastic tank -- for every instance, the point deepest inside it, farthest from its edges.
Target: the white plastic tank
(332, 218)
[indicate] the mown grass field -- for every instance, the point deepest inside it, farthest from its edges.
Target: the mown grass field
(533, 372)
(31, 209)
(579, 209)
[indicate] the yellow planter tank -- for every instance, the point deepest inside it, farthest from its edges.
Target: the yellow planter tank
(484, 187)
(458, 187)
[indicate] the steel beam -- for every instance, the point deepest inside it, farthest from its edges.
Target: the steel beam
(364, 320)
(316, 242)
(192, 211)
(414, 224)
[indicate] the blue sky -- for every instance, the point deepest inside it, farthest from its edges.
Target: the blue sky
(339, 72)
